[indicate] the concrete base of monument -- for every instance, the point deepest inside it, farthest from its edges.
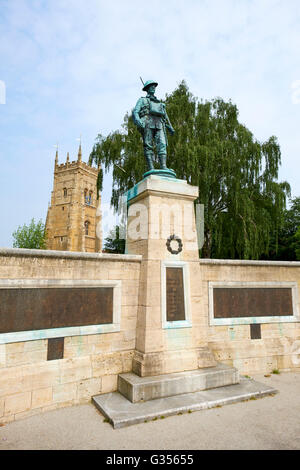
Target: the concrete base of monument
(167, 362)
(136, 388)
(120, 412)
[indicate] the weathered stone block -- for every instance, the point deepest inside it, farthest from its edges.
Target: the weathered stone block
(65, 392)
(42, 397)
(17, 403)
(106, 364)
(109, 383)
(15, 348)
(2, 355)
(77, 350)
(26, 357)
(28, 377)
(75, 369)
(88, 388)
(36, 345)
(1, 407)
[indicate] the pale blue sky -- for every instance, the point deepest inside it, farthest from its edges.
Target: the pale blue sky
(72, 67)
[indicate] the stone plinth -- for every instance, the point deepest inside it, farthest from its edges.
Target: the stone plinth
(171, 326)
(158, 208)
(137, 389)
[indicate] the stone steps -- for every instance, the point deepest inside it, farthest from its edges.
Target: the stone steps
(121, 412)
(137, 389)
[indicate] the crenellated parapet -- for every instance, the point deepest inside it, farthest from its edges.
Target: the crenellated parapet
(76, 164)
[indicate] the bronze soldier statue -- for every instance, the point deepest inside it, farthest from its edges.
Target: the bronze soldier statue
(151, 118)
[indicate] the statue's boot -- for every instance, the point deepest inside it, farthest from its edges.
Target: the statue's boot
(162, 161)
(149, 161)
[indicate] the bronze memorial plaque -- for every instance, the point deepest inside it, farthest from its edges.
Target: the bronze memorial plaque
(29, 309)
(55, 349)
(255, 331)
(241, 302)
(175, 294)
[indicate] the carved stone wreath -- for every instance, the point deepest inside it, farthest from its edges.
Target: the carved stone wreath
(178, 240)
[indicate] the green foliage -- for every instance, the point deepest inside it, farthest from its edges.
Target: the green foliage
(297, 238)
(211, 149)
(113, 243)
(30, 236)
(286, 245)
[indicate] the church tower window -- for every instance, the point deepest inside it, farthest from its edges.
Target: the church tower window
(86, 227)
(87, 197)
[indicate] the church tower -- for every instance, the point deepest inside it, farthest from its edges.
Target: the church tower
(74, 219)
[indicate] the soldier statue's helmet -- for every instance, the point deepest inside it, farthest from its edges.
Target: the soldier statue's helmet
(148, 83)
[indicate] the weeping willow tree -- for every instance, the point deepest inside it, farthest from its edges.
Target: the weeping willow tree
(287, 245)
(236, 175)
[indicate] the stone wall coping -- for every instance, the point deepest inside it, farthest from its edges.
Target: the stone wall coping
(243, 262)
(138, 258)
(68, 254)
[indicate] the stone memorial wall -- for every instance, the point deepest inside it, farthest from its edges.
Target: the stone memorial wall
(253, 313)
(67, 327)
(69, 321)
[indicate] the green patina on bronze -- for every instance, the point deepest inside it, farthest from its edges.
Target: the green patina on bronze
(151, 118)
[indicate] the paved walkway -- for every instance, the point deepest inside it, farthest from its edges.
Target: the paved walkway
(267, 423)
